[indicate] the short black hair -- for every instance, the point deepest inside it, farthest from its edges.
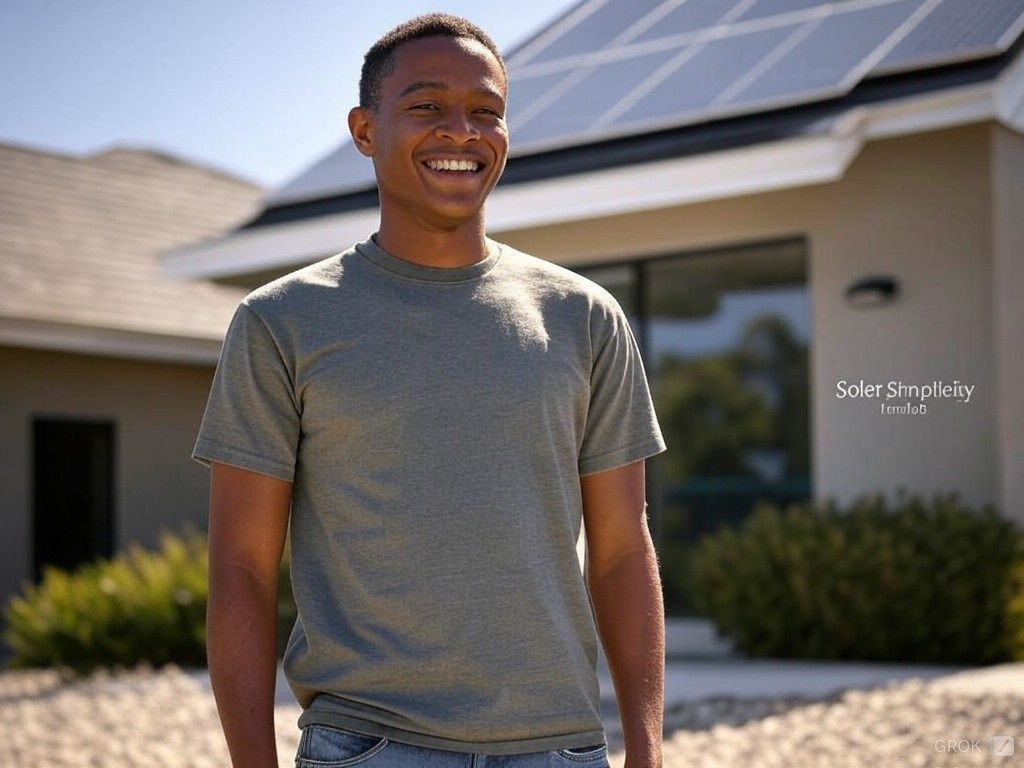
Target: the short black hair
(379, 61)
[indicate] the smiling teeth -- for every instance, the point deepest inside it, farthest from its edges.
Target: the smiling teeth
(453, 165)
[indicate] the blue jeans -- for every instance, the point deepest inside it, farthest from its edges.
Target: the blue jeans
(327, 746)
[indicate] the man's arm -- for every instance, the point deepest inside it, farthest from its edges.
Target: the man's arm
(621, 571)
(248, 522)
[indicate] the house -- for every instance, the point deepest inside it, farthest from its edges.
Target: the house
(813, 214)
(107, 360)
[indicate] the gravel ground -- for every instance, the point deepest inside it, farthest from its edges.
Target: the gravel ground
(167, 719)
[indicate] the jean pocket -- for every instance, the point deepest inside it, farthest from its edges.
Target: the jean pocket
(327, 746)
(594, 752)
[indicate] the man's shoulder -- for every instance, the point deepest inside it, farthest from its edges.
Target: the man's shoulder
(298, 291)
(548, 275)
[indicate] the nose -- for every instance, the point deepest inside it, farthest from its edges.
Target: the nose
(457, 127)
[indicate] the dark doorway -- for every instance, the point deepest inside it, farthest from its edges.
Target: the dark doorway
(73, 492)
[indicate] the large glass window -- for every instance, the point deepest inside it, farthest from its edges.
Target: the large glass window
(726, 337)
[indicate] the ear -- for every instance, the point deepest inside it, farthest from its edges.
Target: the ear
(360, 125)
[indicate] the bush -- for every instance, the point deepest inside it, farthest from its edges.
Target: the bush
(914, 582)
(139, 607)
(1014, 617)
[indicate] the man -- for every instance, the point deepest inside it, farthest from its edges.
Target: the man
(434, 413)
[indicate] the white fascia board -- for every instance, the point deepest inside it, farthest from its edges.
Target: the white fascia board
(784, 164)
(111, 342)
(666, 183)
(748, 170)
(293, 243)
(1009, 95)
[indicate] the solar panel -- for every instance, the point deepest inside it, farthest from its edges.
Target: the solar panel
(694, 86)
(825, 62)
(691, 16)
(596, 30)
(344, 168)
(599, 88)
(524, 91)
(765, 8)
(717, 58)
(956, 30)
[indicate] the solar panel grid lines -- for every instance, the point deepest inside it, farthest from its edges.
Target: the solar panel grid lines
(685, 97)
(737, 86)
(864, 66)
(571, 19)
(538, 91)
(688, 87)
(829, 61)
(652, 81)
(958, 30)
(519, 119)
(615, 69)
(594, 91)
(640, 47)
(766, 8)
(668, 68)
(1013, 31)
(690, 16)
(599, 29)
(651, 19)
(576, 75)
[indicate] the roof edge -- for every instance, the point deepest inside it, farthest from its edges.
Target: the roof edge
(111, 342)
(735, 130)
(174, 157)
(785, 163)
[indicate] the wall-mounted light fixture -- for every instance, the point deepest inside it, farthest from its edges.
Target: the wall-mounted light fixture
(872, 291)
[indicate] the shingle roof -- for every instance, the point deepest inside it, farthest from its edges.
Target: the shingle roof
(79, 238)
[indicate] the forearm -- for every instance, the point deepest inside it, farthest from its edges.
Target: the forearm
(630, 617)
(241, 648)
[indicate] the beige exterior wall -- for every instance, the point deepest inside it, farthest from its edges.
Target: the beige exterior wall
(942, 211)
(1008, 308)
(155, 408)
(918, 207)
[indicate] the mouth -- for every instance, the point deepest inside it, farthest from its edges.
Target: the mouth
(454, 169)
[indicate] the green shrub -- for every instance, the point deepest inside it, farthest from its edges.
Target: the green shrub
(1014, 616)
(911, 582)
(140, 606)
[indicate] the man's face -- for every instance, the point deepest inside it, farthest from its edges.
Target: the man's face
(444, 101)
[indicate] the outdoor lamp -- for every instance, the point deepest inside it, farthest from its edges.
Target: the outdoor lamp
(872, 291)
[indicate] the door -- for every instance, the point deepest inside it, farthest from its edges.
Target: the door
(73, 492)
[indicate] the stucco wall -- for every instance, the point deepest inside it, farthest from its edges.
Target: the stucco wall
(942, 211)
(1008, 308)
(917, 207)
(155, 408)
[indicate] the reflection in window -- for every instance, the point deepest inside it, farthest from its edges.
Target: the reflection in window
(726, 337)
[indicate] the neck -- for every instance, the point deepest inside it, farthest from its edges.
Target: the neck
(430, 245)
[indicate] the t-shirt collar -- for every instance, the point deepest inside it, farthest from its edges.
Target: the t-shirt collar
(371, 250)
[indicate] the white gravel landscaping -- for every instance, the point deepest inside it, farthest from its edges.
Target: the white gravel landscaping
(167, 718)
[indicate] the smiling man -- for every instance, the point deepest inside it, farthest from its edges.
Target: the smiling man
(434, 414)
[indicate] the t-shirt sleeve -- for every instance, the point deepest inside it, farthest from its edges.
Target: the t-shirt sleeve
(622, 426)
(252, 416)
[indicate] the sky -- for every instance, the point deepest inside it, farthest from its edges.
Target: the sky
(258, 88)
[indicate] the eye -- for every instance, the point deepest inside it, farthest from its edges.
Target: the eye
(492, 111)
(422, 106)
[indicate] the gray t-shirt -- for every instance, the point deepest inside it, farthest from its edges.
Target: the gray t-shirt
(435, 423)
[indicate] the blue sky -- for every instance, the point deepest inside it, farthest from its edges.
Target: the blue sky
(255, 87)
